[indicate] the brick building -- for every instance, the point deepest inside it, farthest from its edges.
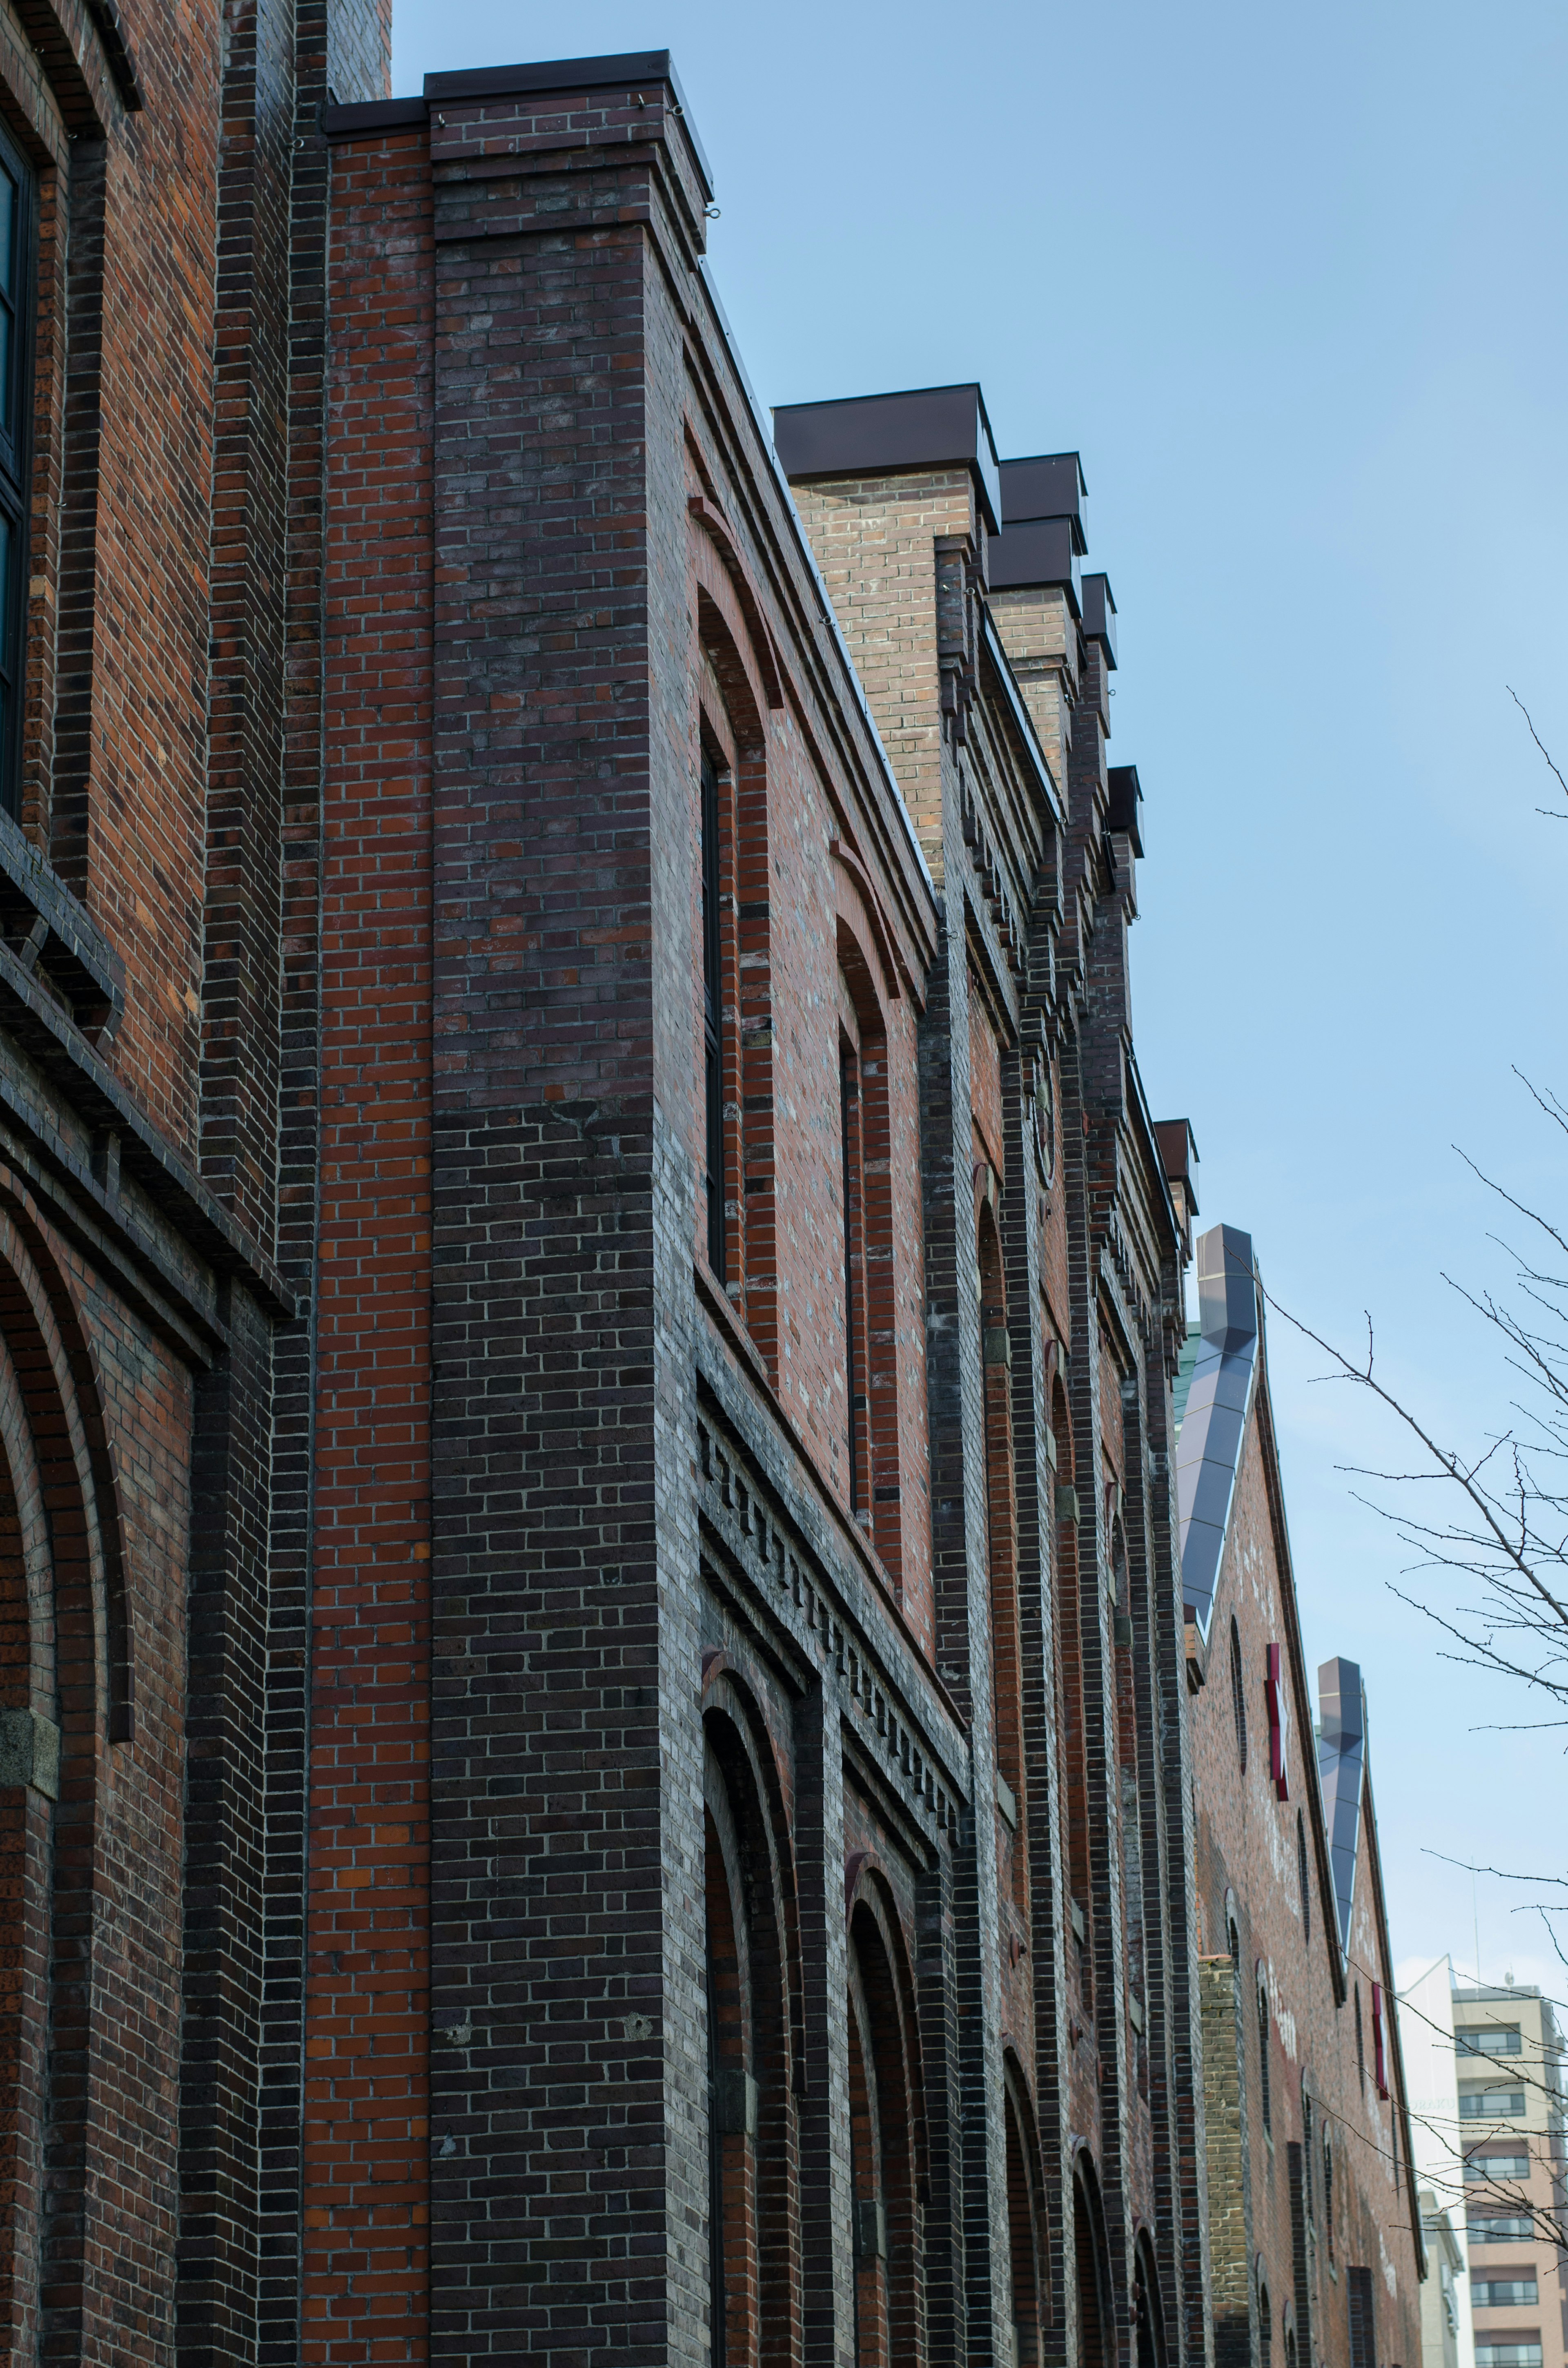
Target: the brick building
(599, 1754)
(1314, 2211)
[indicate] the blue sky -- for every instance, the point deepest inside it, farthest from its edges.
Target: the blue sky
(1292, 282)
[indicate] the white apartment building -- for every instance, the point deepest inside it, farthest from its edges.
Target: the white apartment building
(1508, 2053)
(1437, 2136)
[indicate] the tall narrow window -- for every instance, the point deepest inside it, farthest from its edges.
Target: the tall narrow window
(18, 220)
(1238, 1696)
(712, 1019)
(1302, 1878)
(854, 1263)
(1263, 2054)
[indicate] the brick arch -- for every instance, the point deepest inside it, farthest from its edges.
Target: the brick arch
(1028, 2219)
(1148, 2307)
(887, 2115)
(60, 1564)
(1091, 2253)
(753, 2137)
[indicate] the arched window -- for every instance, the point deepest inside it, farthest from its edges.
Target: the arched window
(1307, 2182)
(1264, 2098)
(731, 2199)
(871, 1440)
(1131, 1853)
(884, 2123)
(749, 1943)
(1264, 2326)
(736, 1216)
(18, 303)
(1238, 1695)
(1361, 2046)
(1328, 2193)
(1093, 2278)
(1148, 2314)
(1024, 2224)
(1302, 1878)
(1002, 1539)
(716, 841)
(1074, 1792)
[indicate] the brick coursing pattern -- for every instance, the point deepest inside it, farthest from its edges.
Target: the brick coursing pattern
(466, 1562)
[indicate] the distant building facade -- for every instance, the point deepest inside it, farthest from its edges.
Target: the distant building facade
(1440, 2139)
(1313, 2215)
(1508, 2051)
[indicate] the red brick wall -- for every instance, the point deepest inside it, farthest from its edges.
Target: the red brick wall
(367, 2019)
(1246, 1844)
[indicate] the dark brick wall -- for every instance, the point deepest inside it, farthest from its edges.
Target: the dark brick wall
(642, 1547)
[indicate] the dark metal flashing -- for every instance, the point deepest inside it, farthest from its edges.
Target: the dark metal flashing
(1047, 485)
(1218, 1403)
(1099, 615)
(358, 122)
(1123, 800)
(1179, 1150)
(1039, 552)
(1342, 1766)
(462, 87)
(877, 435)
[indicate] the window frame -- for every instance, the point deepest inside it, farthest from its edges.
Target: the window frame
(16, 466)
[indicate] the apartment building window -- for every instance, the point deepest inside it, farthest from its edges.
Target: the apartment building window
(18, 220)
(1491, 2104)
(1360, 2046)
(1501, 2293)
(1507, 2355)
(1479, 2166)
(1489, 2039)
(1500, 2227)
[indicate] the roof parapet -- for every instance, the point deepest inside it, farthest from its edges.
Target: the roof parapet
(879, 435)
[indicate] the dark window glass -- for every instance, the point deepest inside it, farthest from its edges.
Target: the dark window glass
(712, 1020)
(1263, 2056)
